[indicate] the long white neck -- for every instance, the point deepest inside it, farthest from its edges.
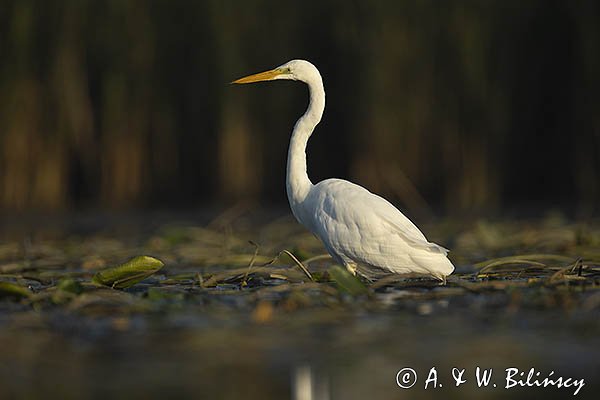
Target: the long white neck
(298, 184)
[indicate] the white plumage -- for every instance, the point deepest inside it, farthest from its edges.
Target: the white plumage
(360, 230)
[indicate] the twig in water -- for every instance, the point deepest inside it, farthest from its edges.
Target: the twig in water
(298, 263)
(577, 263)
(560, 274)
(251, 264)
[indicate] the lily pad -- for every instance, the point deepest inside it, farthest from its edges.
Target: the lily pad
(129, 273)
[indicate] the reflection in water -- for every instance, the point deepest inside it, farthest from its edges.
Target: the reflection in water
(307, 385)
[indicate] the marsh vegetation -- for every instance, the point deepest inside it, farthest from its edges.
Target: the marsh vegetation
(225, 316)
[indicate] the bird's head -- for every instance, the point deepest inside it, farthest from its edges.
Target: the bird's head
(296, 70)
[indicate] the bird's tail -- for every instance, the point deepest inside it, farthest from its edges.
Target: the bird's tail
(436, 264)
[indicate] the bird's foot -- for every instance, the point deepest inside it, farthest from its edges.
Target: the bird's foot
(351, 268)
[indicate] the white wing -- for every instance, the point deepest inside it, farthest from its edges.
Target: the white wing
(358, 226)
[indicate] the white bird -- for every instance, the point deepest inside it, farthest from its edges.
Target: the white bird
(361, 230)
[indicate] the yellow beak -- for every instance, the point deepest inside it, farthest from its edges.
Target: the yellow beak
(261, 76)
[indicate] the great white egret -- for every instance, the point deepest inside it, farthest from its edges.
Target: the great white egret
(360, 230)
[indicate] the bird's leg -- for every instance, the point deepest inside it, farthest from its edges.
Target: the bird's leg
(351, 267)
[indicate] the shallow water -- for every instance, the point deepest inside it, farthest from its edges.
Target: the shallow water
(195, 329)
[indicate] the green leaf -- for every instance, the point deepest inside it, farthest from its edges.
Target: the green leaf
(8, 289)
(66, 290)
(346, 281)
(69, 285)
(128, 274)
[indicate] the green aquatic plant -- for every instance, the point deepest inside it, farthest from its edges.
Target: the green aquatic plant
(129, 273)
(9, 289)
(346, 282)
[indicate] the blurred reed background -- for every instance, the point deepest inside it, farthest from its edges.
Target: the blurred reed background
(445, 106)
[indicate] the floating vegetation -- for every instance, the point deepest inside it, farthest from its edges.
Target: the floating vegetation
(209, 294)
(216, 266)
(129, 273)
(347, 282)
(8, 289)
